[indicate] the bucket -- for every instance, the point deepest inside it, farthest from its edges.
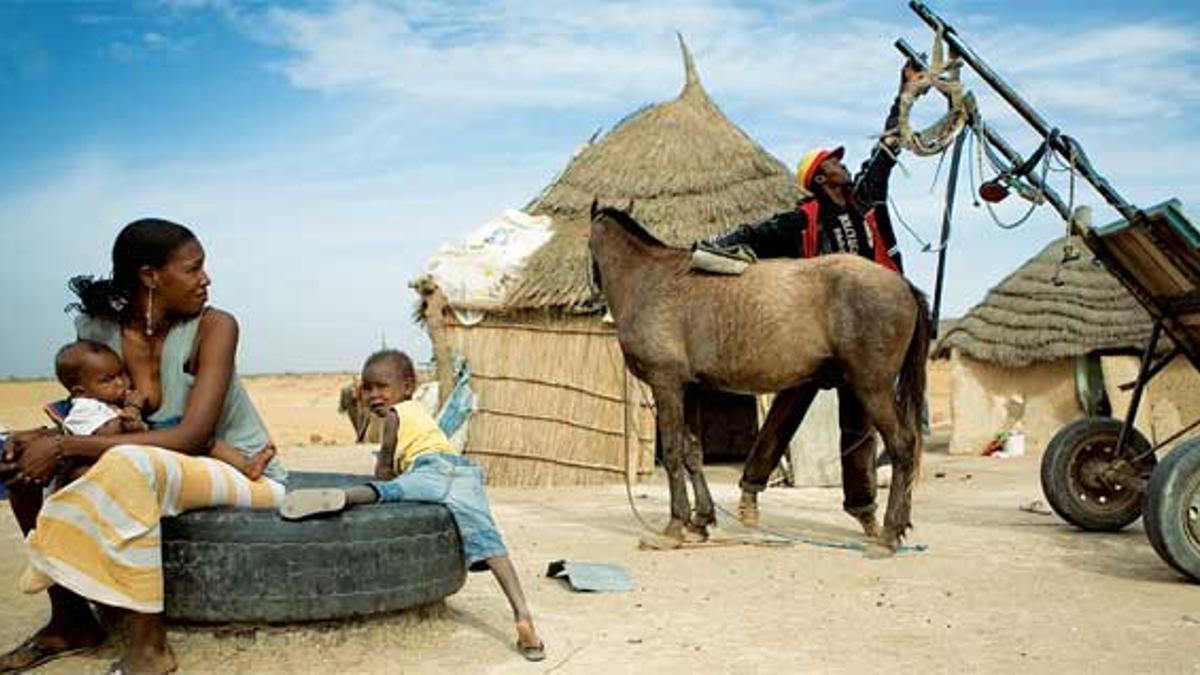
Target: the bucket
(1014, 445)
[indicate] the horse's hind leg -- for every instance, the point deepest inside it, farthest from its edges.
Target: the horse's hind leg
(859, 483)
(901, 441)
(784, 417)
(668, 405)
(693, 461)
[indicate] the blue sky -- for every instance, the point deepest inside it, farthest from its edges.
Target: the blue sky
(324, 150)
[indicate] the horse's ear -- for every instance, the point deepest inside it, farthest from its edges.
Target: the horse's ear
(595, 207)
(629, 207)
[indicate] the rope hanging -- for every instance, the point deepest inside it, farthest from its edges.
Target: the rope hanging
(942, 75)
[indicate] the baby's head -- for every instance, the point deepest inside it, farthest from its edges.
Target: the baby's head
(388, 378)
(91, 369)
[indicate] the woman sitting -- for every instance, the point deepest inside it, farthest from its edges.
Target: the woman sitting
(97, 538)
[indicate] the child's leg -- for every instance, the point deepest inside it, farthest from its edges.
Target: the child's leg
(252, 467)
(528, 642)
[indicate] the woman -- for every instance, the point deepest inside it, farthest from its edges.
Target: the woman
(98, 538)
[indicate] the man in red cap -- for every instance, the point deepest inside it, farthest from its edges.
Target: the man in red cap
(842, 215)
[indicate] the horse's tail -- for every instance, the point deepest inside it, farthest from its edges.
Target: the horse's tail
(910, 390)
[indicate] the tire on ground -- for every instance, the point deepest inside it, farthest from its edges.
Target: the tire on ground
(1172, 508)
(1061, 482)
(243, 565)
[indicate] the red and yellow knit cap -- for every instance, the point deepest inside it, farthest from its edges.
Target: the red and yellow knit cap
(809, 163)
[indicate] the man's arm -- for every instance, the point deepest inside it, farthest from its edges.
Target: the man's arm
(871, 183)
(776, 237)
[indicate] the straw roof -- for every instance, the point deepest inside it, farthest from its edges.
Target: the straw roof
(688, 171)
(1028, 318)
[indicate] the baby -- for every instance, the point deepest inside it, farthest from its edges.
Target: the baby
(103, 403)
(417, 463)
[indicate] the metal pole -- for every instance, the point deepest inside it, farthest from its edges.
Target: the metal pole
(1142, 380)
(998, 141)
(947, 216)
(1023, 109)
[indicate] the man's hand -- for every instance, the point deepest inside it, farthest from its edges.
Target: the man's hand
(908, 72)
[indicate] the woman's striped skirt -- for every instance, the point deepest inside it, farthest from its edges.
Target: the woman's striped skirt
(99, 536)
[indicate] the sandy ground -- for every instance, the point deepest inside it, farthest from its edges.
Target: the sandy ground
(299, 409)
(998, 590)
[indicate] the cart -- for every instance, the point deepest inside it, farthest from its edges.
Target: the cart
(1100, 473)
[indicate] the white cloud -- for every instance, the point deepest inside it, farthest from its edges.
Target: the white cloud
(143, 46)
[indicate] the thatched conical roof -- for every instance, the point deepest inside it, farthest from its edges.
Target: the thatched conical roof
(688, 171)
(1029, 318)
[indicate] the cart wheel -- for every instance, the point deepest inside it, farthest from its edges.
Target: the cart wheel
(1173, 508)
(1074, 479)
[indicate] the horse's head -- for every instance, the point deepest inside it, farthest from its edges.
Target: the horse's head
(609, 221)
(619, 248)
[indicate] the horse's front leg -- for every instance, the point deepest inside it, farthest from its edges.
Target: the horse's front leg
(668, 404)
(693, 460)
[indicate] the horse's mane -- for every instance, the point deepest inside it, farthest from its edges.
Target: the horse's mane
(630, 225)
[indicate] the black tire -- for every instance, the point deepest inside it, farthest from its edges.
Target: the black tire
(243, 565)
(1069, 467)
(1173, 508)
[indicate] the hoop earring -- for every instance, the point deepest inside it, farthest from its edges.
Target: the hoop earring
(150, 313)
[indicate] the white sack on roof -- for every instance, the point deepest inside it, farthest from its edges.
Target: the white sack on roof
(477, 273)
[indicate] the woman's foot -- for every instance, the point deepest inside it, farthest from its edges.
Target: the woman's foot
(52, 642)
(145, 662)
(147, 652)
(256, 465)
(528, 643)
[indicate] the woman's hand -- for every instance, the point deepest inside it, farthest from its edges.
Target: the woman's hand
(39, 459)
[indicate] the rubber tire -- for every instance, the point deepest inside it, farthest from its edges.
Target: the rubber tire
(1173, 485)
(1056, 481)
(247, 565)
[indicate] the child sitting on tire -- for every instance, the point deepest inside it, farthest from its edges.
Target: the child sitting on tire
(103, 402)
(417, 463)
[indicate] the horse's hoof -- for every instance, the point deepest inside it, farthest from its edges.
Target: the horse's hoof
(870, 525)
(659, 542)
(695, 534)
(877, 550)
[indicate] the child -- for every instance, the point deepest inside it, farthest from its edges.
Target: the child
(102, 402)
(417, 463)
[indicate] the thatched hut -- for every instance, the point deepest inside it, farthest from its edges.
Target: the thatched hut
(555, 402)
(1040, 344)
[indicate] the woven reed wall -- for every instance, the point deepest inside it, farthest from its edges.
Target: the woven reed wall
(553, 394)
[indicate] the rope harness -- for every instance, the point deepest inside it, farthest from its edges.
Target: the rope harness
(944, 76)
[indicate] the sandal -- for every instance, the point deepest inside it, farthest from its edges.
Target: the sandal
(300, 504)
(533, 653)
(36, 654)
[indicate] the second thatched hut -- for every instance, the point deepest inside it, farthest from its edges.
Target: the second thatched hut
(1053, 341)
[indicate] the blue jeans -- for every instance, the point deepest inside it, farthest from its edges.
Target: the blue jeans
(457, 483)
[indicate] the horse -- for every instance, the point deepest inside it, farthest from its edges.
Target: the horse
(784, 325)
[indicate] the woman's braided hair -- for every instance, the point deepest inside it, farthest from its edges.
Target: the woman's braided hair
(146, 242)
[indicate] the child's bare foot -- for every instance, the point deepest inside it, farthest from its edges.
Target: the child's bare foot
(528, 643)
(256, 465)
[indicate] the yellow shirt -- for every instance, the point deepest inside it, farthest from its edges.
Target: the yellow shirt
(419, 434)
